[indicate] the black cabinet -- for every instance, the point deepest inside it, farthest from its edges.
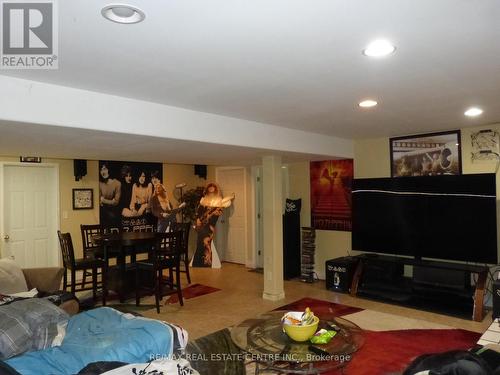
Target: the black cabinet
(291, 239)
(438, 286)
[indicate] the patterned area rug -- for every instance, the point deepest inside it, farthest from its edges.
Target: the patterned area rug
(391, 341)
(192, 291)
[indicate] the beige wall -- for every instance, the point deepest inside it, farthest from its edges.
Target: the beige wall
(329, 244)
(70, 219)
(372, 156)
(174, 174)
(371, 160)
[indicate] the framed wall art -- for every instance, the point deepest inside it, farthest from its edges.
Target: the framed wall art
(331, 187)
(83, 199)
(426, 154)
(485, 145)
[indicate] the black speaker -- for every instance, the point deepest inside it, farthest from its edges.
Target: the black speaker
(200, 171)
(79, 168)
(339, 273)
(496, 298)
(291, 239)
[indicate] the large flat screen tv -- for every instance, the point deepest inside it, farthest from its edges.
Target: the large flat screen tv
(443, 217)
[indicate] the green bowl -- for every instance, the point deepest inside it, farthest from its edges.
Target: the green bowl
(301, 333)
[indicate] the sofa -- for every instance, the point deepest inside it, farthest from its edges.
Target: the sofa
(47, 280)
(101, 335)
(33, 311)
(41, 331)
(18, 282)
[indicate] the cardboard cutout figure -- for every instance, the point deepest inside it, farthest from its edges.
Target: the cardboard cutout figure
(163, 209)
(210, 208)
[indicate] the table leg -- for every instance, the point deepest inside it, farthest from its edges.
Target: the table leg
(121, 260)
(104, 273)
(477, 314)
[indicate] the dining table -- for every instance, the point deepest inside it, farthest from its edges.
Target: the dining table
(119, 245)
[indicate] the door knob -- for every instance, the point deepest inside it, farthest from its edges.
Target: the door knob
(6, 237)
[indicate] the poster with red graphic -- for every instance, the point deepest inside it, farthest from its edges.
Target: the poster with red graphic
(331, 202)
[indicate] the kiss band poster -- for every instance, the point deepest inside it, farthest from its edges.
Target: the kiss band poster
(125, 192)
(331, 187)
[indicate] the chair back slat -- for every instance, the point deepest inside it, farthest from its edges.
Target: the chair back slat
(88, 231)
(184, 228)
(68, 253)
(168, 244)
(111, 230)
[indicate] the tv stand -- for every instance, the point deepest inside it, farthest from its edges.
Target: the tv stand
(438, 286)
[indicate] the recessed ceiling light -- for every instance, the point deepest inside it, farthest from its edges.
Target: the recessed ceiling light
(123, 13)
(473, 112)
(367, 103)
(379, 48)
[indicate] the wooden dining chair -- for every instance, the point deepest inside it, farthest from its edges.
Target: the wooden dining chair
(71, 264)
(165, 255)
(145, 228)
(90, 249)
(184, 228)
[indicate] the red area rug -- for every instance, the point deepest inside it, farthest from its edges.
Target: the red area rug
(192, 291)
(391, 351)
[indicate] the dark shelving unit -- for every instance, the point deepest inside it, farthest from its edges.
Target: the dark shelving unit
(438, 286)
(307, 255)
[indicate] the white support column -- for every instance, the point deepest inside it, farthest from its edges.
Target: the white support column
(273, 228)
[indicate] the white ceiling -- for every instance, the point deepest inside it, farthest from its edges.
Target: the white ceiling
(293, 63)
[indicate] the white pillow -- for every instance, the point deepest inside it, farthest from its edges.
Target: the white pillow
(11, 277)
(29, 294)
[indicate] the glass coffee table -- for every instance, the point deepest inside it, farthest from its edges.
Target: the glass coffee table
(265, 343)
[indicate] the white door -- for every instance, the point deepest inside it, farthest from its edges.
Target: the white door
(233, 180)
(259, 218)
(30, 214)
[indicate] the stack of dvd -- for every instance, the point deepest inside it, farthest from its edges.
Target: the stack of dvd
(307, 258)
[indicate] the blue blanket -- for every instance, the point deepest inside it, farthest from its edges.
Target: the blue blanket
(102, 334)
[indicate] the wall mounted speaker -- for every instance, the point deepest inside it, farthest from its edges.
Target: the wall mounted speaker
(200, 171)
(79, 168)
